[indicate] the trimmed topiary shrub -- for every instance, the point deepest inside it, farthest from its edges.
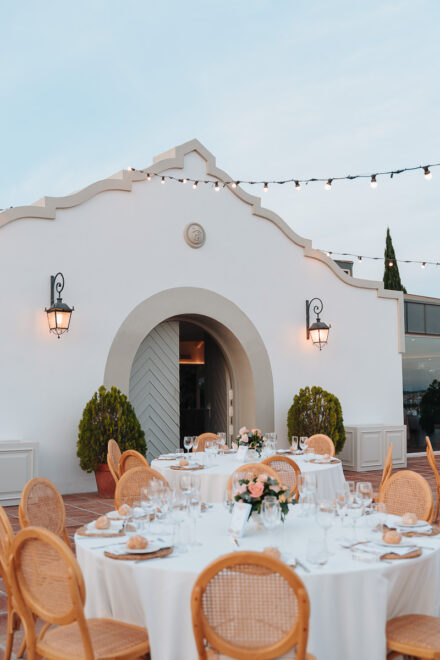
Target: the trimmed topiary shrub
(108, 414)
(316, 411)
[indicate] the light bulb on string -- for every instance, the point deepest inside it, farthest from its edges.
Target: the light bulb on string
(216, 187)
(391, 264)
(265, 187)
(373, 182)
(328, 185)
(148, 177)
(424, 264)
(428, 175)
(359, 258)
(234, 184)
(329, 254)
(297, 186)
(183, 180)
(131, 169)
(195, 184)
(163, 180)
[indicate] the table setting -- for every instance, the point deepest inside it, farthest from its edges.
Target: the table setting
(216, 464)
(356, 581)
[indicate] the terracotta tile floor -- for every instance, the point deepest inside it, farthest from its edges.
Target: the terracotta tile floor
(83, 508)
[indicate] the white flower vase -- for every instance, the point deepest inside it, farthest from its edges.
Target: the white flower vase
(252, 455)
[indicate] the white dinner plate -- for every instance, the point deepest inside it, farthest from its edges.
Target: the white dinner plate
(419, 523)
(114, 515)
(114, 527)
(151, 547)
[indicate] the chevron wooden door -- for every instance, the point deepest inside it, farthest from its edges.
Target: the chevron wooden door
(154, 388)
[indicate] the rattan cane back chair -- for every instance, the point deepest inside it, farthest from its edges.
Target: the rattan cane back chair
(41, 505)
(128, 488)
(113, 457)
(48, 581)
(287, 471)
(432, 462)
(407, 491)
(413, 636)
(255, 469)
(131, 459)
(250, 606)
(321, 444)
(13, 620)
(203, 438)
(388, 466)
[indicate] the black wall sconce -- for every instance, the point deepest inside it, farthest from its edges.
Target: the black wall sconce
(58, 314)
(318, 331)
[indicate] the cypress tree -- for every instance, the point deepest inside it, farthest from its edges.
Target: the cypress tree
(391, 275)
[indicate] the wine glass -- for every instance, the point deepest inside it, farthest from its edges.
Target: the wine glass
(221, 441)
(228, 499)
(294, 443)
(354, 512)
(303, 442)
(364, 492)
(185, 484)
(179, 514)
(196, 484)
(380, 514)
(195, 443)
(325, 515)
(147, 504)
(188, 442)
(350, 488)
(195, 509)
(271, 512)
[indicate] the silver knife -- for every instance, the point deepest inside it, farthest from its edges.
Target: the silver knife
(301, 565)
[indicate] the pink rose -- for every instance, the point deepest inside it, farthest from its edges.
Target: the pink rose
(256, 489)
(243, 430)
(244, 438)
(262, 477)
(241, 489)
(257, 431)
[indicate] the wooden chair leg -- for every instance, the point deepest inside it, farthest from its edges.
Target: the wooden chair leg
(9, 635)
(22, 649)
(438, 505)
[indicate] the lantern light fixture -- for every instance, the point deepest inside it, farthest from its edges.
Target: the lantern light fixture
(317, 331)
(58, 314)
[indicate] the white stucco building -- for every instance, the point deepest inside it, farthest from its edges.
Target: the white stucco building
(137, 285)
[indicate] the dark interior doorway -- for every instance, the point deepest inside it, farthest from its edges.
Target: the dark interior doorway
(204, 382)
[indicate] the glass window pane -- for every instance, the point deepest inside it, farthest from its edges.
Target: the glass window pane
(432, 319)
(415, 314)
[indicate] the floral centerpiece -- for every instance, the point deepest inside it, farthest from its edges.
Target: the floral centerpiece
(253, 491)
(252, 439)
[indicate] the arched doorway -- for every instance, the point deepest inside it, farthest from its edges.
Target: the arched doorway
(180, 384)
(243, 349)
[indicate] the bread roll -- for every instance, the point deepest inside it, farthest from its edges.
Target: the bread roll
(272, 552)
(325, 457)
(392, 537)
(102, 523)
(137, 542)
(124, 510)
(409, 519)
(183, 462)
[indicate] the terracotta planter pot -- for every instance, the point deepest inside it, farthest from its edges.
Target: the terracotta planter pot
(105, 482)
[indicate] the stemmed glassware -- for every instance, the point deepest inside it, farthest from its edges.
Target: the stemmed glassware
(228, 500)
(195, 442)
(364, 492)
(147, 504)
(325, 516)
(188, 442)
(307, 491)
(294, 443)
(303, 442)
(221, 441)
(354, 512)
(179, 513)
(195, 509)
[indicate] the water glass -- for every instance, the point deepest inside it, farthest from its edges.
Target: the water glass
(195, 443)
(325, 517)
(195, 509)
(350, 487)
(303, 442)
(221, 441)
(185, 483)
(309, 454)
(188, 442)
(354, 512)
(316, 551)
(380, 515)
(294, 442)
(271, 512)
(228, 500)
(364, 492)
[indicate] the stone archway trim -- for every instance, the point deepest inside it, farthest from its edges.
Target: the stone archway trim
(240, 340)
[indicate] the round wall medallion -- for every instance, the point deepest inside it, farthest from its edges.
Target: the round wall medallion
(194, 235)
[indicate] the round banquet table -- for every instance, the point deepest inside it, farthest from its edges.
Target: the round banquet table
(350, 600)
(213, 479)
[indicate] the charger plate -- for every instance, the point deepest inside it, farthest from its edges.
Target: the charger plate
(186, 468)
(83, 531)
(163, 552)
(435, 531)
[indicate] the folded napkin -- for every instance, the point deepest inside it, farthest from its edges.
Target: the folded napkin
(384, 550)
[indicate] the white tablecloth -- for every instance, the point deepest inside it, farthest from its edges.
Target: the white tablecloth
(213, 479)
(350, 600)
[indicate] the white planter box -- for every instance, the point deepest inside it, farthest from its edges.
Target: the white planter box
(366, 447)
(18, 464)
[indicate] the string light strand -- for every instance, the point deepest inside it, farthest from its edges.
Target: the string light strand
(391, 262)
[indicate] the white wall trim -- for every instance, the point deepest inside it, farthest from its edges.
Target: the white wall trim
(46, 207)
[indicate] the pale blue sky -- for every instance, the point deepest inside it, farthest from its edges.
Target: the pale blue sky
(275, 88)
